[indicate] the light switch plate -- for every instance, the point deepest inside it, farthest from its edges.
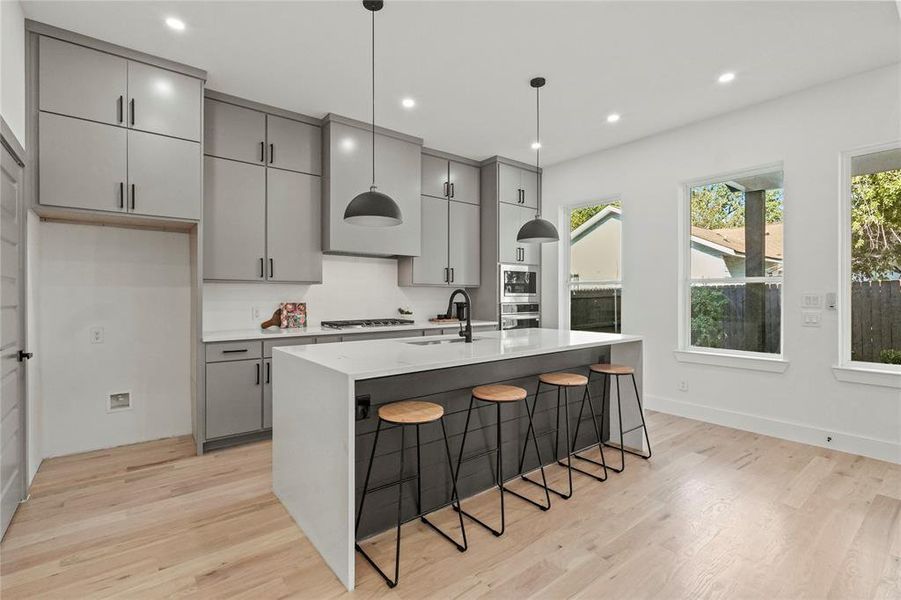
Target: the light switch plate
(811, 318)
(812, 300)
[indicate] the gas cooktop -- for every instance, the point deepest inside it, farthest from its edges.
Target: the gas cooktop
(359, 323)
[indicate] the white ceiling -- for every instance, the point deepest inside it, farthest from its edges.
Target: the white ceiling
(468, 64)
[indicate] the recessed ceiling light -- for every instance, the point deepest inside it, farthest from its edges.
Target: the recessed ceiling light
(536, 145)
(612, 118)
(408, 102)
(726, 77)
(176, 24)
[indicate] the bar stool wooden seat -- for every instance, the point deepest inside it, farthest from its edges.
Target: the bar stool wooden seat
(563, 381)
(616, 371)
(403, 414)
(498, 394)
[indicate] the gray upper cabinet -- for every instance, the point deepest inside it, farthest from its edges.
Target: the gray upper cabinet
(464, 244)
(517, 186)
(434, 176)
(164, 102)
(234, 399)
(234, 217)
(512, 217)
(293, 145)
(175, 195)
(293, 225)
(81, 164)
(80, 82)
(234, 132)
(430, 267)
(348, 171)
(464, 183)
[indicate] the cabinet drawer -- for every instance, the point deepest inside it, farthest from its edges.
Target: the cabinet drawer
(268, 345)
(222, 351)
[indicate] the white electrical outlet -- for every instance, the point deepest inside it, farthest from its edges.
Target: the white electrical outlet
(811, 300)
(683, 386)
(96, 335)
(811, 318)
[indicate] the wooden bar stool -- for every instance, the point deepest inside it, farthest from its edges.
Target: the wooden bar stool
(404, 414)
(498, 395)
(617, 371)
(564, 381)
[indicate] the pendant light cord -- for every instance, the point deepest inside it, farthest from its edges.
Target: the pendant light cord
(538, 149)
(373, 99)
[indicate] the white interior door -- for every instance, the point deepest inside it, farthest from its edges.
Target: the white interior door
(12, 373)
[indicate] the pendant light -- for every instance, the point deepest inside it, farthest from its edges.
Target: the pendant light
(373, 208)
(538, 230)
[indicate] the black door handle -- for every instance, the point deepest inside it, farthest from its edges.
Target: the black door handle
(452, 274)
(237, 351)
(271, 153)
(121, 194)
(446, 191)
(258, 373)
(133, 201)
(24, 355)
(268, 370)
(262, 273)
(262, 152)
(452, 191)
(131, 104)
(271, 268)
(120, 107)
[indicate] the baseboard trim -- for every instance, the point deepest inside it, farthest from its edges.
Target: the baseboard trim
(787, 430)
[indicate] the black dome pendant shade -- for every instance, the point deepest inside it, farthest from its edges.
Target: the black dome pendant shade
(373, 208)
(538, 230)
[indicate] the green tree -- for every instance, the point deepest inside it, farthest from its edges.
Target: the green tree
(708, 309)
(716, 206)
(580, 215)
(876, 225)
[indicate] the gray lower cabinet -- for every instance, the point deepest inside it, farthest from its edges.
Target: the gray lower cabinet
(82, 164)
(267, 393)
(81, 82)
(234, 132)
(234, 398)
(511, 218)
(164, 102)
(293, 145)
(234, 219)
(464, 244)
(293, 226)
(163, 176)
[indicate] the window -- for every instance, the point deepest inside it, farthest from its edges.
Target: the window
(734, 263)
(873, 258)
(595, 267)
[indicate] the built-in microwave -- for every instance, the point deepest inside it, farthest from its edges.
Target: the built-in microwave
(519, 283)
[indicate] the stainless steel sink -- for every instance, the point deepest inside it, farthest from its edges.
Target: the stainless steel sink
(436, 342)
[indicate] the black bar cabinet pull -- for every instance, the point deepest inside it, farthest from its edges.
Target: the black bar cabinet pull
(262, 273)
(271, 268)
(446, 191)
(119, 109)
(121, 194)
(271, 153)
(133, 201)
(446, 275)
(236, 351)
(258, 373)
(262, 151)
(452, 190)
(268, 370)
(131, 104)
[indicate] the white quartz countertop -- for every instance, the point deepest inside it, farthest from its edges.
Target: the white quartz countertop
(232, 335)
(366, 359)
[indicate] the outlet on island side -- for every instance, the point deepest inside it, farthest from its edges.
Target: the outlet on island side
(683, 386)
(96, 335)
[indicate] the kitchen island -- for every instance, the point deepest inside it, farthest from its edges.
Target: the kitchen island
(325, 400)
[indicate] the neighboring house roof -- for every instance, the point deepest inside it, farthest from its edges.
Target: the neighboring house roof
(731, 240)
(734, 238)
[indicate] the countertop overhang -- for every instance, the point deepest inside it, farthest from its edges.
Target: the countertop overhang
(382, 358)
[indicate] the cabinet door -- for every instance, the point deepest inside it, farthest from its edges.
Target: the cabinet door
(510, 217)
(234, 220)
(164, 102)
(267, 393)
(464, 243)
(294, 145)
(82, 164)
(81, 83)
(464, 180)
(234, 398)
(530, 188)
(429, 268)
(234, 132)
(434, 176)
(163, 176)
(293, 225)
(508, 184)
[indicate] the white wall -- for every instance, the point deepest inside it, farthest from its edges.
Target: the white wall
(136, 285)
(352, 287)
(35, 404)
(12, 67)
(807, 131)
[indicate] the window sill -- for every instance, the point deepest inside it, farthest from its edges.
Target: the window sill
(733, 361)
(868, 376)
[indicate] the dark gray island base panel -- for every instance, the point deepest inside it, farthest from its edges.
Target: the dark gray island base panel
(451, 388)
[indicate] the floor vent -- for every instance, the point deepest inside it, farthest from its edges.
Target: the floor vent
(120, 401)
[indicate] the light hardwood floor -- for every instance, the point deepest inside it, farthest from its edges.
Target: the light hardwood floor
(716, 513)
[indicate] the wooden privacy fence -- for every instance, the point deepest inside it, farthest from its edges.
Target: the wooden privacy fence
(875, 316)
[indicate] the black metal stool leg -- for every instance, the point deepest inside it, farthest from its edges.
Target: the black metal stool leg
(375, 443)
(643, 426)
(455, 498)
(606, 393)
(600, 443)
(459, 507)
(543, 484)
(569, 462)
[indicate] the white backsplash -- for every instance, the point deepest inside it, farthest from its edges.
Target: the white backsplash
(352, 288)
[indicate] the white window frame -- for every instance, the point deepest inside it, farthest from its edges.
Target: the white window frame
(855, 370)
(687, 352)
(563, 302)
